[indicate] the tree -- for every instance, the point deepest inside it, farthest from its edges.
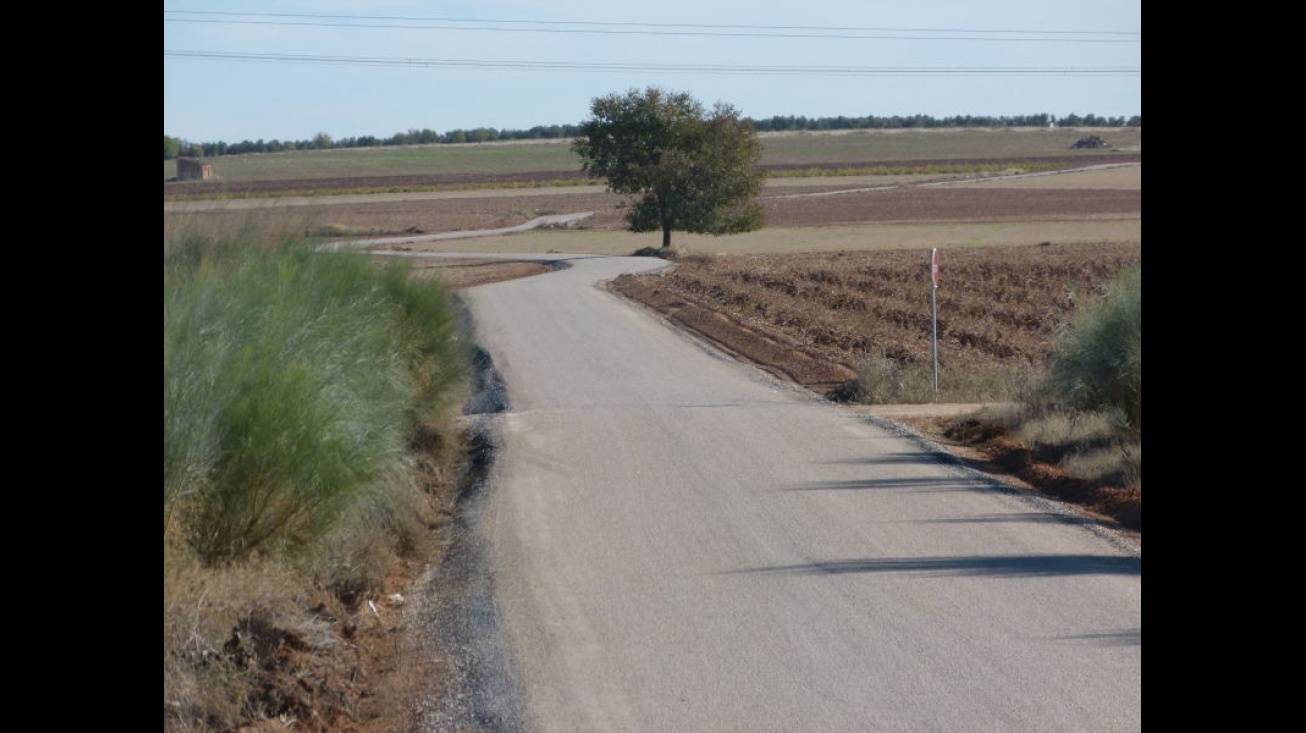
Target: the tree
(691, 170)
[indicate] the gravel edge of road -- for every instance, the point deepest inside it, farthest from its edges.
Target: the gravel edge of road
(457, 619)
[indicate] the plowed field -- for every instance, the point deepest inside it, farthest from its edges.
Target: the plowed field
(814, 202)
(999, 307)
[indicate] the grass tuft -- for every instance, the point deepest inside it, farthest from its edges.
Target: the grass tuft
(883, 380)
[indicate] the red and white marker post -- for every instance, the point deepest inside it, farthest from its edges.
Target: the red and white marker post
(934, 313)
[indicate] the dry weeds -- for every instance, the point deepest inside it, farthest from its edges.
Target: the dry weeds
(273, 646)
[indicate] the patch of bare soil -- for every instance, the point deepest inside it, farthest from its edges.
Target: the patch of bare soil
(363, 219)
(907, 204)
(781, 207)
(460, 273)
(454, 181)
(770, 352)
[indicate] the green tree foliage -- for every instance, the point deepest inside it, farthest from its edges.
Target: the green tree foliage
(691, 170)
(1098, 360)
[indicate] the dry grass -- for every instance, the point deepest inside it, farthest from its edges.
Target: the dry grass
(971, 144)
(268, 645)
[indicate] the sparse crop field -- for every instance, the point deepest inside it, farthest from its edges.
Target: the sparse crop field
(971, 144)
(999, 308)
(471, 158)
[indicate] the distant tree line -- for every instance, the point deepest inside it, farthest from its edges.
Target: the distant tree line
(783, 122)
(177, 147)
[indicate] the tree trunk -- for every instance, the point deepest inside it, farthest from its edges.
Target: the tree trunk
(665, 216)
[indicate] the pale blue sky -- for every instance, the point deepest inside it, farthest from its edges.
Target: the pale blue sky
(541, 62)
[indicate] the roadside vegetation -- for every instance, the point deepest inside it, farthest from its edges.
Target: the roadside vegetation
(310, 452)
(1085, 412)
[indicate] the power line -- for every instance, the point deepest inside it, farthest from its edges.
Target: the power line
(659, 29)
(598, 67)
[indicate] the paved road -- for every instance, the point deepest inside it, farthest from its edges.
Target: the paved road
(680, 543)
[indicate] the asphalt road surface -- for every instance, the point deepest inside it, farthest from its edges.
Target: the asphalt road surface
(679, 542)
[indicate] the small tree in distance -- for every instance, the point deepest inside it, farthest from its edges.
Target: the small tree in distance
(691, 170)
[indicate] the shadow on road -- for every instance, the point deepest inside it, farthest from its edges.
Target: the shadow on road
(1025, 566)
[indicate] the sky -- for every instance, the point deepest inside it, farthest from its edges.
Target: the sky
(289, 69)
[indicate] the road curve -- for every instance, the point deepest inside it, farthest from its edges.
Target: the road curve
(678, 542)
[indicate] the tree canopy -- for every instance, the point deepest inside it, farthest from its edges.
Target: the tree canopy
(690, 169)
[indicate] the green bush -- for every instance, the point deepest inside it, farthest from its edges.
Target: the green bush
(1097, 362)
(293, 381)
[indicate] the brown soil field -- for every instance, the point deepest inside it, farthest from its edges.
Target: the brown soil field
(455, 181)
(809, 204)
(999, 307)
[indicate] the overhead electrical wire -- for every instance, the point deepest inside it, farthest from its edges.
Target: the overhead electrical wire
(660, 29)
(590, 66)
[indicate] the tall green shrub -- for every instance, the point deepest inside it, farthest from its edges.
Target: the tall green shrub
(1097, 362)
(293, 381)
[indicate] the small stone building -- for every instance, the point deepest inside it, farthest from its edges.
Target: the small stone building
(190, 168)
